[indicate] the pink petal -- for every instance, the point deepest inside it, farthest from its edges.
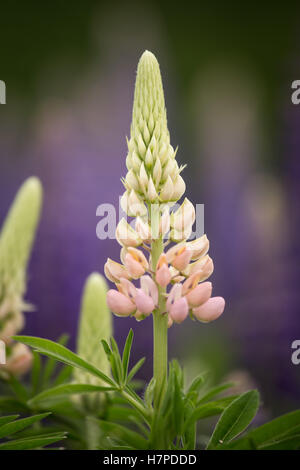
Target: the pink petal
(119, 304)
(150, 288)
(200, 294)
(210, 310)
(134, 268)
(144, 302)
(179, 310)
(174, 294)
(163, 276)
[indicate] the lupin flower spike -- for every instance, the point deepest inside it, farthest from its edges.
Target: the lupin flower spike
(153, 184)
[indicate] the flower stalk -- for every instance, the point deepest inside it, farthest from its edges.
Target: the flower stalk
(171, 283)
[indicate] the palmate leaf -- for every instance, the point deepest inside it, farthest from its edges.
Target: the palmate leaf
(235, 418)
(62, 354)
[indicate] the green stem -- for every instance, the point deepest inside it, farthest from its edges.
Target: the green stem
(160, 321)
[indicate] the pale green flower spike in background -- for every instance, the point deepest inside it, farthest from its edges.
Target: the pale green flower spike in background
(16, 240)
(95, 324)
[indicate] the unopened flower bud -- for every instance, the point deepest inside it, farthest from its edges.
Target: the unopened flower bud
(132, 180)
(143, 229)
(184, 217)
(179, 188)
(163, 275)
(143, 179)
(167, 191)
(151, 192)
(126, 236)
(164, 226)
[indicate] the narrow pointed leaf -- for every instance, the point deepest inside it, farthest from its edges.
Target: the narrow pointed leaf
(235, 418)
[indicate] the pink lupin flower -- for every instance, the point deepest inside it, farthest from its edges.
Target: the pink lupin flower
(204, 265)
(163, 275)
(146, 298)
(179, 256)
(150, 288)
(135, 262)
(199, 247)
(200, 294)
(210, 310)
(115, 271)
(177, 306)
(119, 303)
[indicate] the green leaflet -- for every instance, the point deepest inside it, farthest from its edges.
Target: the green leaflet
(235, 418)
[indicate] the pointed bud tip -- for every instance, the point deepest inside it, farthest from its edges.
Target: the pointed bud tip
(96, 280)
(33, 184)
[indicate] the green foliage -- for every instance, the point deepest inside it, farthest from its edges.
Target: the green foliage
(128, 420)
(235, 419)
(11, 425)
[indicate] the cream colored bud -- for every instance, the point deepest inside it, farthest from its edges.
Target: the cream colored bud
(149, 158)
(180, 235)
(157, 171)
(179, 188)
(136, 207)
(143, 229)
(199, 247)
(164, 226)
(167, 190)
(126, 236)
(163, 153)
(141, 146)
(184, 217)
(143, 179)
(136, 162)
(151, 192)
(146, 132)
(132, 180)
